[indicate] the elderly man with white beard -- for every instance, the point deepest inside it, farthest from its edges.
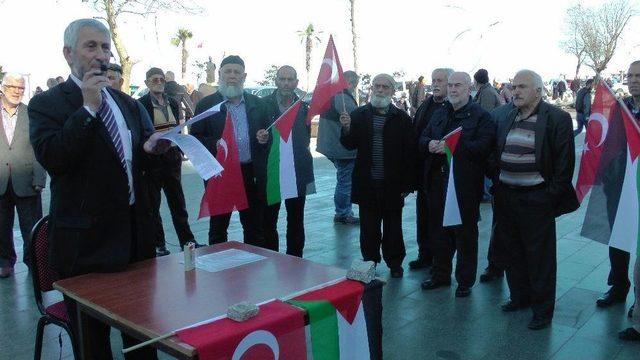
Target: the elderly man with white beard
(250, 119)
(469, 162)
(383, 172)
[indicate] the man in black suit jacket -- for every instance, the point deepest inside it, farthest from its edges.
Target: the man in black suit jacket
(21, 176)
(165, 171)
(93, 142)
(250, 119)
(534, 166)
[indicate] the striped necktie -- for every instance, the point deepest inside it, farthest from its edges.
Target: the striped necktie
(109, 120)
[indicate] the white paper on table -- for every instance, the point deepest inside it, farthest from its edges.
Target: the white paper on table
(178, 129)
(202, 160)
(226, 259)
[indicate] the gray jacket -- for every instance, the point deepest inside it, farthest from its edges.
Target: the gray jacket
(18, 161)
(488, 97)
(329, 128)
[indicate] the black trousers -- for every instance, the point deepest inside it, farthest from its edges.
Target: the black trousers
(97, 333)
(525, 220)
(497, 254)
(619, 274)
(381, 227)
(422, 227)
(168, 177)
(29, 210)
(447, 241)
(250, 218)
(295, 226)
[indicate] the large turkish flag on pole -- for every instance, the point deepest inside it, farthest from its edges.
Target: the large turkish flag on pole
(330, 82)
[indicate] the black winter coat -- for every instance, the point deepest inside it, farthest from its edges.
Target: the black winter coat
(470, 159)
(209, 130)
(399, 156)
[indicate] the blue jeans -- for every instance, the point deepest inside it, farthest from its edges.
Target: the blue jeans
(486, 195)
(342, 195)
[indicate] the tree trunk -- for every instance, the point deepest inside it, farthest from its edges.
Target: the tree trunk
(354, 36)
(185, 56)
(577, 69)
(125, 61)
(308, 59)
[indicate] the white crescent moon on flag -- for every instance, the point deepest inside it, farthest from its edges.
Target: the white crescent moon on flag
(603, 123)
(334, 70)
(256, 338)
(223, 145)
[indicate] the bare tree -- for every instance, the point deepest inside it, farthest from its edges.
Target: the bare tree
(354, 36)
(180, 39)
(572, 43)
(600, 29)
(112, 10)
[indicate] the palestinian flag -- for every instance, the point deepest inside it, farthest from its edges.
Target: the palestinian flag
(625, 233)
(336, 320)
(277, 332)
(281, 170)
(451, 208)
(612, 212)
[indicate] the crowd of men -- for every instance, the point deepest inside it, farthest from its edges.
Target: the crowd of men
(108, 166)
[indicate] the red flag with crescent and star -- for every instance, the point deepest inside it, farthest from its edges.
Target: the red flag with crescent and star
(330, 82)
(225, 192)
(602, 111)
(276, 333)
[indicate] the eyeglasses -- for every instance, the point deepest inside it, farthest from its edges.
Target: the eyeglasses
(158, 81)
(14, 88)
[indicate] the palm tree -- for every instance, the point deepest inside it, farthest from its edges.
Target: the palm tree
(308, 37)
(181, 38)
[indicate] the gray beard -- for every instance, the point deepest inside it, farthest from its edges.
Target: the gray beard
(230, 91)
(380, 102)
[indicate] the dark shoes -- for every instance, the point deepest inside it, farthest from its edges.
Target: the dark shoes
(434, 284)
(491, 274)
(347, 220)
(538, 323)
(162, 251)
(629, 334)
(511, 306)
(463, 291)
(5, 272)
(420, 263)
(611, 297)
(397, 272)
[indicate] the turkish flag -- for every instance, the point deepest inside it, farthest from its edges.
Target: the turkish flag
(330, 81)
(225, 193)
(602, 111)
(277, 332)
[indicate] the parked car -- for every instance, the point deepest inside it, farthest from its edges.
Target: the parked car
(260, 91)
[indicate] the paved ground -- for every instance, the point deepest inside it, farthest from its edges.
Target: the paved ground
(417, 324)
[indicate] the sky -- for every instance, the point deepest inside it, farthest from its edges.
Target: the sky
(412, 36)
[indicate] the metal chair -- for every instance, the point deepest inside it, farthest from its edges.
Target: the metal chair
(43, 278)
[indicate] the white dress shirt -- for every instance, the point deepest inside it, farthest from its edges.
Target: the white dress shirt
(9, 123)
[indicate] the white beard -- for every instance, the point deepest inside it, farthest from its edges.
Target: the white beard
(230, 91)
(380, 102)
